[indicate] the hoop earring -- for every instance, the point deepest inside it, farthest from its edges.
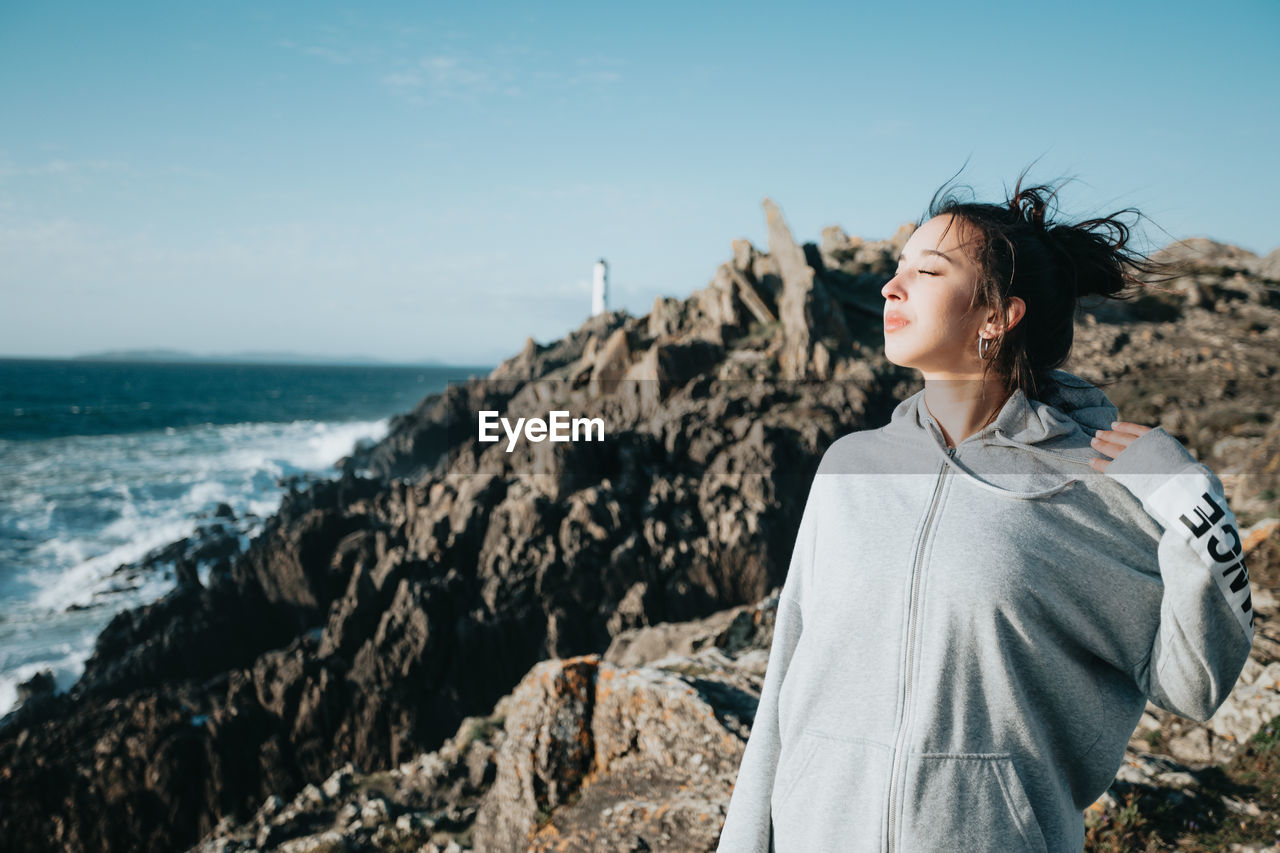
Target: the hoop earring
(984, 344)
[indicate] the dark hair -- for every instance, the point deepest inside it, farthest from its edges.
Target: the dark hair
(1050, 265)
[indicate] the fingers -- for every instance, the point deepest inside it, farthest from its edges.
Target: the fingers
(1128, 428)
(1111, 443)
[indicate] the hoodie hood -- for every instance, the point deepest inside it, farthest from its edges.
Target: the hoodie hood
(1052, 433)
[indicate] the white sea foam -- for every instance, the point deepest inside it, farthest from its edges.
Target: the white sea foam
(78, 507)
(78, 583)
(65, 660)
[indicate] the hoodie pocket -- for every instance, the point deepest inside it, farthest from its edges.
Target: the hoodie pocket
(967, 802)
(829, 794)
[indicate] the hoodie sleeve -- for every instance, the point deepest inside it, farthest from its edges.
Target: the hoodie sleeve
(1205, 631)
(748, 825)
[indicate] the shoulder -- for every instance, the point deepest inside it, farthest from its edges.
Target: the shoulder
(848, 453)
(878, 451)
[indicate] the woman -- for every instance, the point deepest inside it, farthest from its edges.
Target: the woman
(985, 592)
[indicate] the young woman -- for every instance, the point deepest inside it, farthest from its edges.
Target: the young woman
(985, 592)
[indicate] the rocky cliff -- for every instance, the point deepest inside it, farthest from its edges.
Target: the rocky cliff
(561, 647)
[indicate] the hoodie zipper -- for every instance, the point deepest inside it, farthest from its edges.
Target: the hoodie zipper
(911, 635)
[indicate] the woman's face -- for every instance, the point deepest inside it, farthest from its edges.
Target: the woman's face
(927, 322)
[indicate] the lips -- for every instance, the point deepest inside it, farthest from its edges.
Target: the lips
(893, 321)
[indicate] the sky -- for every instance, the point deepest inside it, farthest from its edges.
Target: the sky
(435, 181)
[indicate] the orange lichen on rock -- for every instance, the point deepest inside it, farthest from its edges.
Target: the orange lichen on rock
(1260, 533)
(545, 832)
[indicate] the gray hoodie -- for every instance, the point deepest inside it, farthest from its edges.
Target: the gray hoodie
(966, 638)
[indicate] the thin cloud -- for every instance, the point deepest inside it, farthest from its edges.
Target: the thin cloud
(58, 168)
(458, 77)
(328, 53)
(593, 75)
(404, 80)
(451, 77)
(63, 168)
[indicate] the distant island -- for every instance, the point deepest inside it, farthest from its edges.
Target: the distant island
(258, 357)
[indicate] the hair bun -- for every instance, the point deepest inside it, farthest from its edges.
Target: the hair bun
(1089, 256)
(1031, 205)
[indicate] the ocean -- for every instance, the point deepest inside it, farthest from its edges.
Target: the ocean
(102, 462)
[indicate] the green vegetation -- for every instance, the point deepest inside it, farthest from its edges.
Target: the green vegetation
(1126, 830)
(1162, 820)
(482, 730)
(759, 332)
(381, 782)
(691, 669)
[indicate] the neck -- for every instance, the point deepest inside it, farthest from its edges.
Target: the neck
(963, 407)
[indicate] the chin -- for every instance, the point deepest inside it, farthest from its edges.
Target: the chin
(895, 356)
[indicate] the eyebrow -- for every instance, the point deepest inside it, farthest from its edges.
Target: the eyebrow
(929, 252)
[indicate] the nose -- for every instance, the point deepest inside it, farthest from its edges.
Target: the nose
(892, 287)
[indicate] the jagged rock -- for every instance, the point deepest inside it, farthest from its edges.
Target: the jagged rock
(637, 646)
(611, 362)
(1269, 267)
(379, 614)
(797, 305)
(609, 755)
(750, 297)
(1258, 475)
(665, 318)
(1201, 253)
(41, 684)
(717, 305)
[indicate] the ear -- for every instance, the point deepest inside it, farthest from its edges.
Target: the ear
(1017, 308)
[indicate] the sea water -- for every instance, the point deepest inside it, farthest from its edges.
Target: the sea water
(102, 462)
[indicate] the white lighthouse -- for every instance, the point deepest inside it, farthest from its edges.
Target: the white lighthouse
(600, 289)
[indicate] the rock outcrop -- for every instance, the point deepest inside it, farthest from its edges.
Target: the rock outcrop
(561, 646)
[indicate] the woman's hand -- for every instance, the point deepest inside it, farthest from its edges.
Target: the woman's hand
(1112, 441)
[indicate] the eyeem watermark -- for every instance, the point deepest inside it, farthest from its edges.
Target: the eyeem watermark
(559, 428)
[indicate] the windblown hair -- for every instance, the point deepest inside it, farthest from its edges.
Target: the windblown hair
(1020, 251)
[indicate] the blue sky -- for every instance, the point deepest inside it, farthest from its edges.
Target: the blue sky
(436, 180)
